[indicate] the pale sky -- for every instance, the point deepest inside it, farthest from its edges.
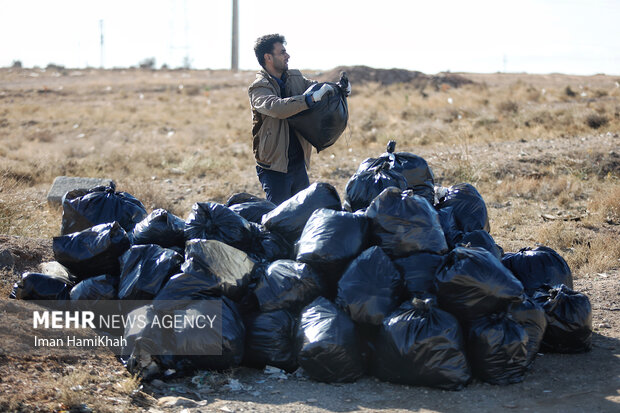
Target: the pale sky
(544, 36)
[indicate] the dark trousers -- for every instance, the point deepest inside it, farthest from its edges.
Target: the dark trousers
(280, 186)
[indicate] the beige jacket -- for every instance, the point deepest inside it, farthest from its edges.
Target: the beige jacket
(270, 129)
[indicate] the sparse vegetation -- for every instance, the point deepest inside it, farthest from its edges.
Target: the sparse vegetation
(176, 137)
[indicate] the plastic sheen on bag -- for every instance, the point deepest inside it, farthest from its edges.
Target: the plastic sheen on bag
(539, 266)
(35, 286)
(467, 208)
(287, 285)
(290, 217)
(420, 344)
(83, 209)
(414, 168)
(270, 340)
(253, 211)
(532, 318)
(481, 238)
(223, 270)
(497, 349)
(365, 185)
(93, 251)
(370, 287)
(418, 271)
(213, 221)
(329, 349)
(160, 227)
(101, 287)
(324, 122)
(145, 269)
(403, 223)
(173, 348)
(331, 239)
(569, 319)
(473, 283)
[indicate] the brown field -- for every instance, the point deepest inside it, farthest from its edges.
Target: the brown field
(543, 151)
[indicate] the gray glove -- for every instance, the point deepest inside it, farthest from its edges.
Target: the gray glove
(318, 94)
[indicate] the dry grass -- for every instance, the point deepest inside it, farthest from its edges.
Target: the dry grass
(531, 144)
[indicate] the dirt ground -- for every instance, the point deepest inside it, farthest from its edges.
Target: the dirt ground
(97, 381)
(588, 382)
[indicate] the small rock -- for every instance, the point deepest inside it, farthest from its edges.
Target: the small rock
(158, 383)
(6, 259)
(604, 325)
(64, 184)
(171, 401)
(54, 268)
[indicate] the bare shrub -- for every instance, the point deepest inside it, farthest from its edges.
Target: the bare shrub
(604, 205)
(508, 106)
(596, 121)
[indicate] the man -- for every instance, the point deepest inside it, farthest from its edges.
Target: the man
(282, 154)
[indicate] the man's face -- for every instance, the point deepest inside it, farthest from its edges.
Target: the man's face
(280, 57)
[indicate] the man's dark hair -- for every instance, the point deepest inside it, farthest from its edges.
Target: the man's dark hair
(264, 44)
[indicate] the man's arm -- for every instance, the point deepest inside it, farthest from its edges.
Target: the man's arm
(266, 102)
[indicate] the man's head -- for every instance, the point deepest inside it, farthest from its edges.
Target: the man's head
(271, 54)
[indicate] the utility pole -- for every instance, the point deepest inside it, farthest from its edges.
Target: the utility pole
(101, 43)
(234, 64)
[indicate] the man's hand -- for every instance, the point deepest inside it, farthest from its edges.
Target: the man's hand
(348, 89)
(318, 94)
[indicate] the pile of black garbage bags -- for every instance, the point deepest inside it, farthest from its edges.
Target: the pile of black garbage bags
(401, 280)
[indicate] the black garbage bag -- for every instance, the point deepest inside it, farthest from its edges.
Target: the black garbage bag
(253, 211)
(324, 122)
(185, 286)
(222, 269)
(101, 287)
(403, 223)
(473, 283)
(464, 211)
(145, 269)
(287, 285)
(418, 271)
(481, 238)
(241, 197)
(290, 217)
(569, 319)
(83, 209)
(93, 251)
(183, 348)
(144, 343)
(210, 220)
(329, 348)
(160, 227)
(532, 318)
(35, 286)
(270, 246)
(420, 344)
(331, 239)
(539, 266)
(449, 227)
(370, 288)
(414, 168)
(191, 340)
(497, 349)
(270, 340)
(364, 186)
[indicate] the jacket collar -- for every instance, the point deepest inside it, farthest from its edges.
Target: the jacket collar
(271, 78)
